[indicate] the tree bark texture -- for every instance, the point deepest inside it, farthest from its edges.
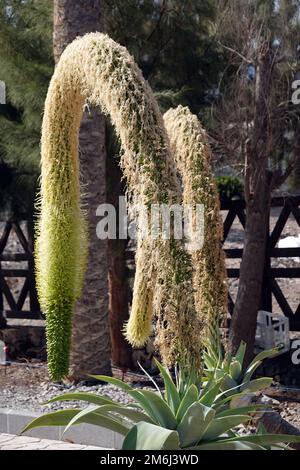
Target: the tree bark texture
(117, 275)
(258, 183)
(91, 351)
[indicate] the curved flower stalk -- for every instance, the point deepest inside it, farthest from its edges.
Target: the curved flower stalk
(97, 70)
(192, 153)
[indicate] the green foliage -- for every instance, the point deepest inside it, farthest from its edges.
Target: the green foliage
(26, 68)
(229, 187)
(235, 379)
(184, 416)
(16, 200)
(172, 42)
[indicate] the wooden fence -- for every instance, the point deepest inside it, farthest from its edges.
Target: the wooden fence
(26, 305)
(14, 308)
(271, 290)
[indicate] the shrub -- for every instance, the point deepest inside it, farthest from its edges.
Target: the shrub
(229, 187)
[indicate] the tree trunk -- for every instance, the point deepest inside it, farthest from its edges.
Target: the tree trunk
(258, 183)
(118, 305)
(75, 18)
(90, 351)
(118, 284)
(275, 424)
(243, 324)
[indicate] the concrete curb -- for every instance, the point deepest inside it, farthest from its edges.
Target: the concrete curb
(13, 421)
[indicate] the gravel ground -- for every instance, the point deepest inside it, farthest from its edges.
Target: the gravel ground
(28, 387)
(32, 397)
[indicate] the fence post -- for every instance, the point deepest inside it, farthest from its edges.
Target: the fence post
(33, 299)
(266, 297)
(2, 318)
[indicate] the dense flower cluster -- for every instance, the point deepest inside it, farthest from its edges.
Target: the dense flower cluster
(96, 70)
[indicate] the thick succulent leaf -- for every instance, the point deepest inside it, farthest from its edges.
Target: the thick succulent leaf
(57, 418)
(145, 436)
(238, 397)
(250, 371)
(210, 392)
(257, 362)
(209, 375)
(228, 359)
(261, 429)
(190, 397)
(214, 348)
(172, 394)
(151, 380)
(155, 407)
(86, 397)
(227, 395)
(209, 361)
(256, 385)
(235, 370)
(228, 384)
(243, 410)
(228, 446)
(265, 355)
(208, 385)
(219, 426)
(261, 440)
(241, 399)
(253, 366)
(113, 381)
(100, 418)
(126, 412)
(194, 424)
(219, 373)
(64, 417)
(240, 355)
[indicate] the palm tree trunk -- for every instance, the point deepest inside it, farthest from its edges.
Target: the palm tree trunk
(90, 351)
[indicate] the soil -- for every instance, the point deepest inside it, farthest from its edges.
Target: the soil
(288, 403)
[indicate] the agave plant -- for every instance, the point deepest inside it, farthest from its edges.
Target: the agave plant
(234, 376)
(183, 416)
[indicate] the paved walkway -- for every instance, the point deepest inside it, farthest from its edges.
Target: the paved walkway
(10, 442)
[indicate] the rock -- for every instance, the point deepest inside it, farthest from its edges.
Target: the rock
(22, 340)
(265, 400)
